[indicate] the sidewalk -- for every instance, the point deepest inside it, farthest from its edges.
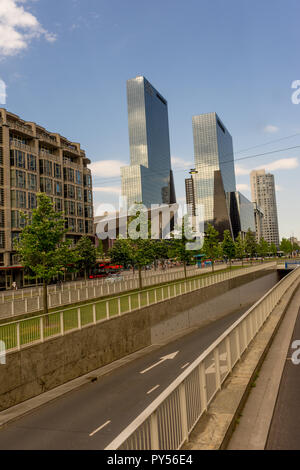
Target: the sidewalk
(270, 418)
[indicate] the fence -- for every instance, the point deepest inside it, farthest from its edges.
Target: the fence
(37, 329)
(25, 302)
(168, 421)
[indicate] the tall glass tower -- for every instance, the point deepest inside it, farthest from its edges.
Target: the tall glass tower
(214, 164)
(149, 177)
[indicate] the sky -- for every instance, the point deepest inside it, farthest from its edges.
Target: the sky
(64, 64)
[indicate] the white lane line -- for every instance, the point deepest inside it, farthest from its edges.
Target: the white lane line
(99, 429)
(185, 365)
(152, 389)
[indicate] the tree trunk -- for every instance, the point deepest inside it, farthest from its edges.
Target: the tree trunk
(140, 278)
(242, 261)
(212, 266)
(45, 297)
(184, 268)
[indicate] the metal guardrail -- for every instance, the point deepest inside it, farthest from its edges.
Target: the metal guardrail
(168, 421)
(22, 333)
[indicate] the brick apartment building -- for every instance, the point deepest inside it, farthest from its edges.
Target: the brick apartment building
(34, 160)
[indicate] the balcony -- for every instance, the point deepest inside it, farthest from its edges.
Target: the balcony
(71, 164)
(21, 146)
(47, 138)
(70, 148)
(49, 155)
(20, 128)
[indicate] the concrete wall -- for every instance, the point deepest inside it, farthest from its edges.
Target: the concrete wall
(39, 368)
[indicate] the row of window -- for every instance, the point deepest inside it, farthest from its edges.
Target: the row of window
(78, 209)
(18, 159)
(79, 225)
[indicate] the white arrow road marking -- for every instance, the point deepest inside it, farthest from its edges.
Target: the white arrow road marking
(99, 429)
(162, 359)
(152, 389)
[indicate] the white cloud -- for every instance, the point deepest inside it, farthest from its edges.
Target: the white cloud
(243, 187)
(178, 162)
(107, 168)
(18, 27)
(281, 164)
(107, 189)
(271, 129)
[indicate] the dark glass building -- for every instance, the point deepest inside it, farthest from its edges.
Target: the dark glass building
(149, 177)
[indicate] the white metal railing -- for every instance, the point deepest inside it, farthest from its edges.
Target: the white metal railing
(168, 421)
(31, 300)
(39, 328)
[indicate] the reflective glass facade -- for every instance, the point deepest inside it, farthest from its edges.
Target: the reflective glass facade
(241, 214)
(148, 178)
(213, 151)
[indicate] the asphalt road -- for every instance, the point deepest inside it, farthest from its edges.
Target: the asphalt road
(284, 433)
(92, 416)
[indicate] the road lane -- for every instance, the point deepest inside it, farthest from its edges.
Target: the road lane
(116, 399)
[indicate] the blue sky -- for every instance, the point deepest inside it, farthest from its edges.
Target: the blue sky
(66, 62)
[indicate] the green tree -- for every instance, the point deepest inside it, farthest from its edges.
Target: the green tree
(85, 252)
(263, 247)
(273, 249)
(228, 246)
(179, 245)
(250, 244)
(121, 252)
(211, 246)
(286, 246)
(240, 249)
(42, 247)
(99, 250)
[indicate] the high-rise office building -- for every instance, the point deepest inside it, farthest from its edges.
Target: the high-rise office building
(33, 160)
(214, 175)
(264, 194)
(149, 177)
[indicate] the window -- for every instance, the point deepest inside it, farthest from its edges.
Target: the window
(18, 199)
(79, 210)
(58, 205)
(88, 212)
(45, 167)
(87, 180)
(57, 188)
(57, 170)
(80, 226)
(17, 158)
(87, 195)
(17, 220)
(31, 162)
(69, 174)
(69, 191)
(78, 177)
(79, 194)
(2, 240)
(70, 225)
(46, 185)
(88, 226)
(18, 179)
(31, 182)
(32, 202)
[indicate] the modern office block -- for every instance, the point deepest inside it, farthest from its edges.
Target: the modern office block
(264, 194)
(149, 177)
(241, 214)
(33, 160)
(214, 165)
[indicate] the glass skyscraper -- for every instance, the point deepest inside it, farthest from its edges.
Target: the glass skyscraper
(149, 177)
(214, 164)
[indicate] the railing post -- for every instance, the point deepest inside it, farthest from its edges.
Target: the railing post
(107, 308)
(155, 295)
(238, 342)
(119, 306)
(129, 303)
(94, 313)
(203, 390)
(41, 329)
(183, 411)
(139, 299)
(154, 431)
(148, 299)
(79, 318)
(228, 353)
(18, 337)
(217, 366)
(62, 322)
